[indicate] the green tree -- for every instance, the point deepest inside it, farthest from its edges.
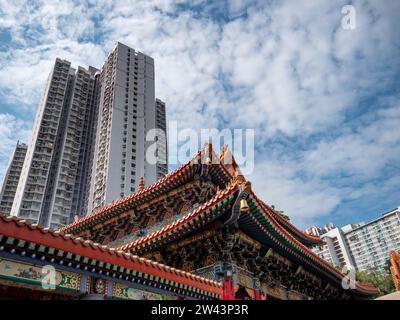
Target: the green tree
(381, 279)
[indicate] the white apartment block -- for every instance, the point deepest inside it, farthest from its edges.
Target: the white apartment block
(371, 243)
(12, 177)
(88, 144)
(364, 245)
(334, 250)
(49, 177)
(127, 112)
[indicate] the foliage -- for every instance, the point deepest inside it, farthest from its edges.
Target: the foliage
(381, 279)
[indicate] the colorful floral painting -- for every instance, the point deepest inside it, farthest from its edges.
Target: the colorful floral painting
(125, 292)
(20, 272)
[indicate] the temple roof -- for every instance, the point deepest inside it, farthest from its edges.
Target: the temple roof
(223, 171)
(267, 223)
(306, 239)
(193, 220)
(169, 182)
(259, 222)
(48, 243)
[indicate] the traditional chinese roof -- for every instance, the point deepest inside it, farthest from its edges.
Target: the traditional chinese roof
(304, 238)
(195, 219)
(395, 268)
(22, 238)
(259, 222)
(160, 187)
(262, 219)
(222, 172)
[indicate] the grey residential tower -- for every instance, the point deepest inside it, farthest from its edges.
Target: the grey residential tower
(127, 112)
(12, 177)
(89, 143)
(49, 186)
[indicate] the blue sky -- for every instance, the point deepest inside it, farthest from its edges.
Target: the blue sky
(323, 101)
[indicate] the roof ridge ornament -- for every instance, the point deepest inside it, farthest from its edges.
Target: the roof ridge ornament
(227, 159)
(207, 154)
(222, 152)
(141, 184)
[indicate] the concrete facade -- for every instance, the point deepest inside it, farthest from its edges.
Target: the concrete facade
(371, 243)
(335, 249)
(54, 159)
(11, 178)
(88, 144)
(127, 112)
(161, 152)
(364, 245)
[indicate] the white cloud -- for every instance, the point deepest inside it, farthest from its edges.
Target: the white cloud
(285, 68)
(311, 183)
(278, 183)
(30, 67)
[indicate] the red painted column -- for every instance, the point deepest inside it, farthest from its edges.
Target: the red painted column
(228, 293)
(257, 294)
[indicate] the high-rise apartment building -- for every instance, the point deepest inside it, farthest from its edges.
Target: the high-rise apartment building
(82, 183)
(371, 243)
(334, 249)
(127, 112)
(161, 152)
(364, 245)
(89, 141)
(12, 177)
(50, 182)
(318, 231)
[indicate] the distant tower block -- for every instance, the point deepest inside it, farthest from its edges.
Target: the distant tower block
(11, 179)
